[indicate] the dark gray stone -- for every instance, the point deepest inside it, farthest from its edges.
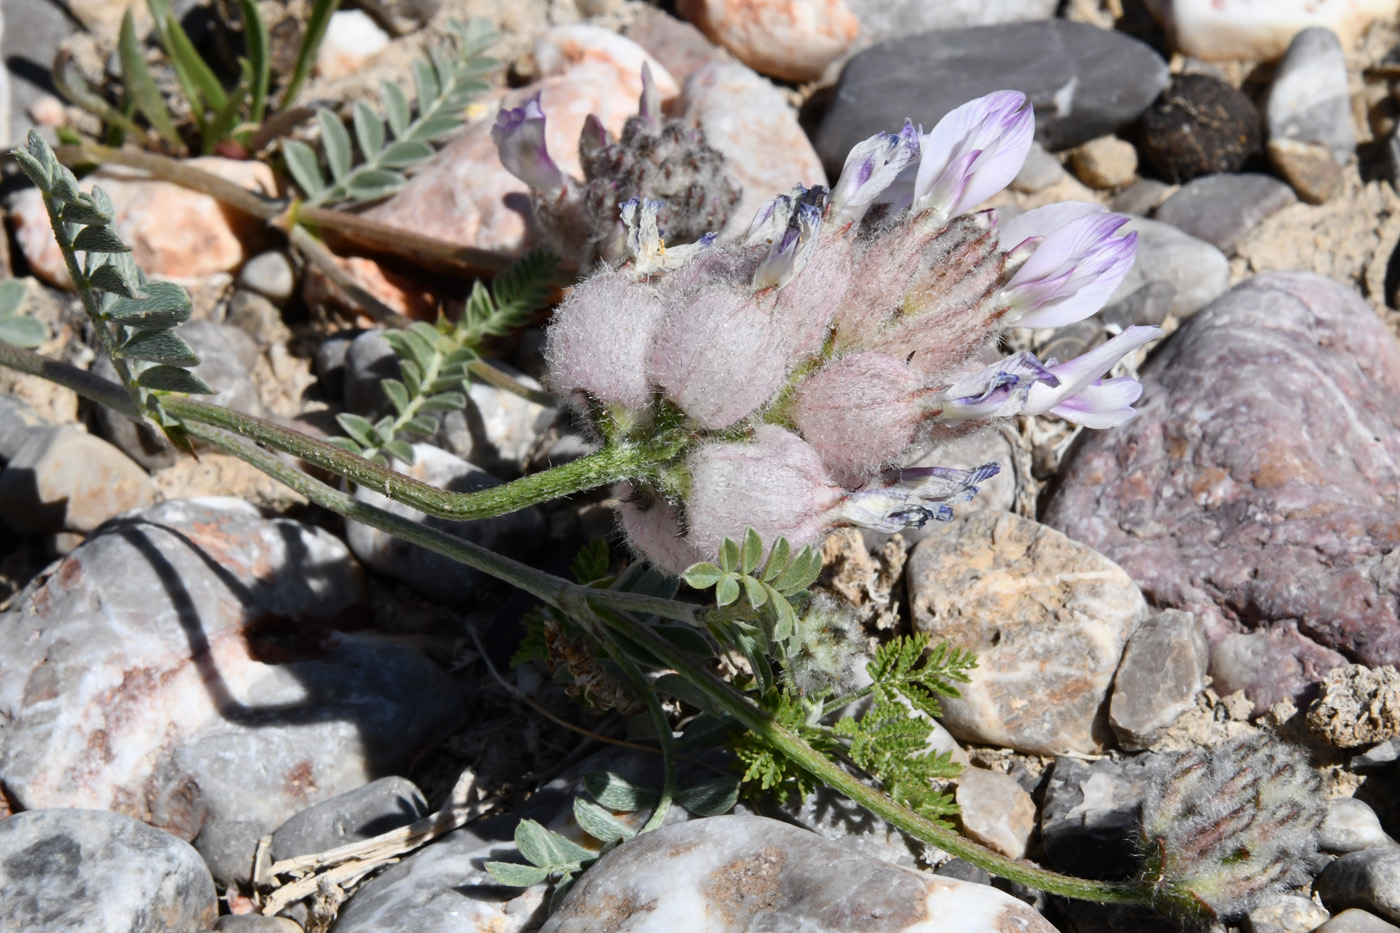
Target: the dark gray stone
(1266, 452)
(1071, 340)
(1140, 197)
(1088, 822)
(1200, 126)
(90, 871)
(436, 576)
(330, 363)
(891, 19)
(1221, 209)
(17, 419)
(1163, 669)
(255, 923)
(1309, 99)
(1368, 879)
(1376, 757)
(362, 813)
(369, 360)
(228, 848)
(1083, 81)
(963, 871)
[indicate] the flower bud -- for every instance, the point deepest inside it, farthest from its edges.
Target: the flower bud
(654, 531)
(859, 413)
(717, 357)
(773, 483)
(599, 340)
(1227, 825)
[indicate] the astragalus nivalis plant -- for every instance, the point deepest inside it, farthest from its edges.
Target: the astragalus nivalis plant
(849, 328)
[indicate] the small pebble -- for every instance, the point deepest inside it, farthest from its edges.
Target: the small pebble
(1368, 879)
(270, 274)
(1357, 706)
(1357, 921)
(995, 811)
(1285, 913)
(1196, 270)
(1309, 99)
(1163, 669)
(1140, 197)
(17, 419)
(1221, 209)
(1041, 170)
(1220, 30)
(1199, 126)
(1350, 826)
(1309, 167)
(352, 38)
(64, 479)
(1146, 307)
(1105, 163)
(353, 816)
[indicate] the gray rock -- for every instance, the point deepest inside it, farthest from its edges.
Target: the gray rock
(970, 451)
(90, 871)
(30, 37)
(227, 356)
(504, 427)
(430, 573)
(64, 479)
(1221, 209)
(1041, 170)
(1386, 753)
(362, 813)
(17, 420)
(369, 360)
(1285, 913)
(1357, 921)
(1350, 826)
(255, 923)
(963, 871)
(995, 811)
(742, 872)
(892, 19)
(1163, 669)
(1045, 616)
(1149, 305)
(228, 848)
(1140, 197)
(1309, 99)
(1088, 822)
(1309, 167)
(182, 666)
(1197, 270)
(1083, 81)
(256, 316)
(444, 888)
(1368, 879)
(1072, 340)
(270, 274)
(330, 361)
(838, 819)
(1269, 459)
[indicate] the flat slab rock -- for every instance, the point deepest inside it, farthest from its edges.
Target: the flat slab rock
(734, 873)
(1258, 485)
(1047, 618)
(181, 667)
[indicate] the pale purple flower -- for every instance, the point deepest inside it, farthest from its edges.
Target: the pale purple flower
(1080, 396)
(913, 497)
(973, 152)
(519, 138)
(771, 222)
(1077, 258)
(871, 167)
(999, 389)
(791, 251)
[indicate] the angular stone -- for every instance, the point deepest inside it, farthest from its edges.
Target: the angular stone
(432, 574)
(892, 19)
(17, 421)
(995, 811)
(1285, 913)
(355, 815)
(1350, 826)
(749, 120)
(1105, 163)
(1221, 209)
(1309, 100)
(64, 479)
(172, 231)
(1140, 197)
(98, 872)
(1368, 879)
(1040, 171)
(1309, 167)
(181, 667)
(1357, 706)
(789, 39)
(1197, 271)
(1219, 30)
(504, 428)
(748, 873)
(1163, 669)
(1083, 81)
(1264, 453)
(1047, 619)
(1200, 126)
(1357, 921)
(1088, 822)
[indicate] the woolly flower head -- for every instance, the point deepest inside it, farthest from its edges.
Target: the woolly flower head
(792, 369)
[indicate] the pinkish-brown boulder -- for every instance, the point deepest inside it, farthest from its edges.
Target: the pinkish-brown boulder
(1258, 485)
(789, 39)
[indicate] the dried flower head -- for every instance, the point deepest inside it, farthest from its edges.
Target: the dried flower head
(804, 362)
(1227, 825)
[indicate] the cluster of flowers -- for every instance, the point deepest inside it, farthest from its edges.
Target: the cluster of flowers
(656, 157)
(848, 327)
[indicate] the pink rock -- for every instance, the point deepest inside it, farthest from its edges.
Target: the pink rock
(465, 195)
(563, 48)
(173, 232)
(789, 39)
(749, 120)
(675, 43)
